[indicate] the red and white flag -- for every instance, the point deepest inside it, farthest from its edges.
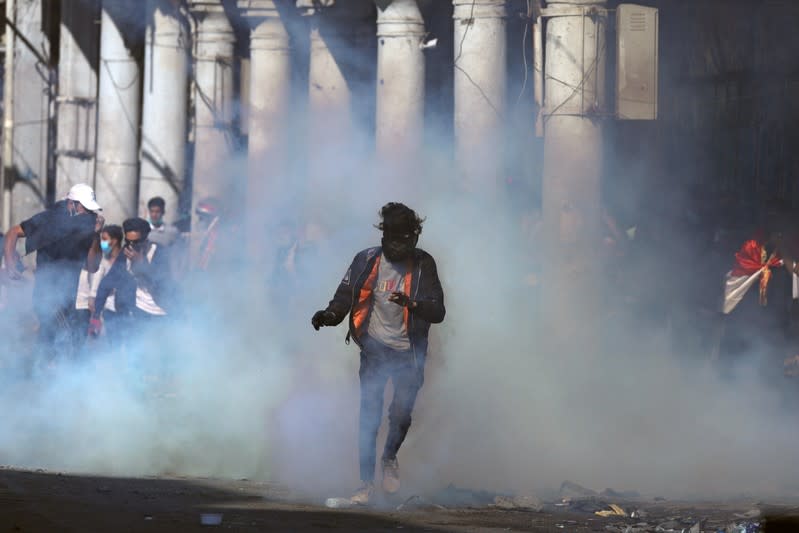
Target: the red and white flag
(751, 264)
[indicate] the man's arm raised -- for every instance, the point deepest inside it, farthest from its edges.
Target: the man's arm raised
(10, 251)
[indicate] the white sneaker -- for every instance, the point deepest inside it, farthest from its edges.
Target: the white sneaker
(363, 494)
(391, 481)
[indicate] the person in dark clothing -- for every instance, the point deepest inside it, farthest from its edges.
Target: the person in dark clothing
(139, 278)
(392, 295)
(65, 237)
(758, 295)
(140, 281)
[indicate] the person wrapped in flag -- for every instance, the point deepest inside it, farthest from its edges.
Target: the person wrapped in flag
(754, 264)
(759, 291)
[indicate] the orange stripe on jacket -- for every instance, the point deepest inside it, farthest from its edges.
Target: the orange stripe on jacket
(406, 312)
(361, 310)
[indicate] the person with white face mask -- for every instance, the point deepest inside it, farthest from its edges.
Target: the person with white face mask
(66, 238)
(104, 313)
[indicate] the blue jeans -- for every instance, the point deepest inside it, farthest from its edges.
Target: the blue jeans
(378, 364)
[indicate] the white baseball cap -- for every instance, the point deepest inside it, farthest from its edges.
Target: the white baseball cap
(84, 194)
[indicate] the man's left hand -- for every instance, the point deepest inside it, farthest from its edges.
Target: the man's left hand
(402, 299)
(99, 223)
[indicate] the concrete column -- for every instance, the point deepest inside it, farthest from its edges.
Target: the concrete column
(165, 106)
(400, 84)
(77, 94)
(213, 101)
(118, 112)
(340, 87)
(480, 89)
(573, 106)
(269, 100)
(25, 174)
(8, 117)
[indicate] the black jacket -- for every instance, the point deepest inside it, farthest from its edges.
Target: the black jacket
(425, 290)
(151, 275)
(119, 282)
(62, 243)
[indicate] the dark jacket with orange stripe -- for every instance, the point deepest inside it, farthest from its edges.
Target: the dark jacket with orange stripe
(354, 296)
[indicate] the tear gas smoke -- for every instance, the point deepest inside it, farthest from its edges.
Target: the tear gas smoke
(256, 393)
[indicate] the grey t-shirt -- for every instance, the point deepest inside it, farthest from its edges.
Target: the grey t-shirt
(386, 320)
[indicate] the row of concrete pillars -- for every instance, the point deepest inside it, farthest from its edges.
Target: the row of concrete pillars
(124, 124)
(127, 125)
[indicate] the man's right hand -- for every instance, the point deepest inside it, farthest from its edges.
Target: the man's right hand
(11, 271)
(10, 252)
(323, 318)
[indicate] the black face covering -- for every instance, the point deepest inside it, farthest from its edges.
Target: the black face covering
(398, 247)
(137, 246)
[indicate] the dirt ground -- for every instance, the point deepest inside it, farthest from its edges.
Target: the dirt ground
(54, 502)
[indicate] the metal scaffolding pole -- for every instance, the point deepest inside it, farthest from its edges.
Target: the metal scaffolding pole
(8, 117)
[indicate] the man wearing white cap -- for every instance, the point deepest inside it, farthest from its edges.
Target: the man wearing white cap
(66, 238)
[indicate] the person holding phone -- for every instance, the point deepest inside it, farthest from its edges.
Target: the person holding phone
(392, 294)
(148, 265)
(138, 278)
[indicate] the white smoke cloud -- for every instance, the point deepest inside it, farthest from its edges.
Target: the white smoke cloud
(257, 393)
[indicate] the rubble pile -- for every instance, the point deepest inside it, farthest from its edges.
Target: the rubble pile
(629, 512)
(577, 508)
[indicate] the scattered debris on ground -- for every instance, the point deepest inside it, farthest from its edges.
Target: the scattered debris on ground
(418, 503)
(614, 510)
(453, 496)
(211, 519)
(570, 490)
(36, 501)
(521, 503)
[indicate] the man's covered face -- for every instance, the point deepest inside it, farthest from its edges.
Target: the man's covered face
(398, 246)
(75, 208)
(135, 241)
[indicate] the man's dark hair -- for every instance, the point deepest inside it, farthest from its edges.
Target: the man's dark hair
(157, 201)
(137, 224)
(399, 218)
(114, 231)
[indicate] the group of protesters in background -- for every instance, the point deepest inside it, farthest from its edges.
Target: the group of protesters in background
(719, 285)
(94, 279)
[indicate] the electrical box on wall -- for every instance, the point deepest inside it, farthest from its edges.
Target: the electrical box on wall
(636, 62)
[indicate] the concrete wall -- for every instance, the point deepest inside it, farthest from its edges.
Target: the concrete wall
(31, 102)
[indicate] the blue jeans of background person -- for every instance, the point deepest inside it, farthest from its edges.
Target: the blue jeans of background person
(378, 364)
(61, 330)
